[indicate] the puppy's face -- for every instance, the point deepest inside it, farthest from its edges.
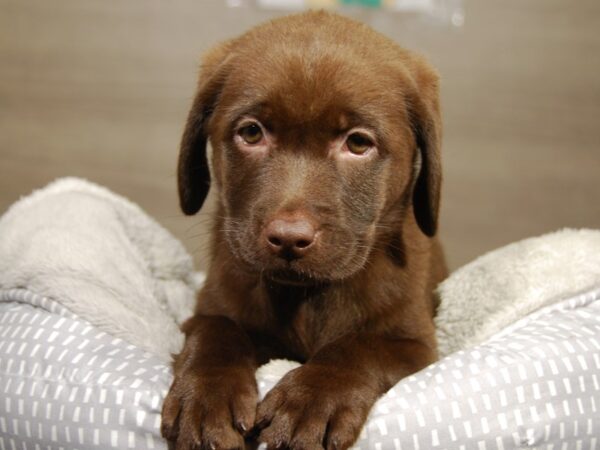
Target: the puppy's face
(315, 124)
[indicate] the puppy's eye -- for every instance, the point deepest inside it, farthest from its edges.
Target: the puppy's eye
(358, 143)
(252, 133)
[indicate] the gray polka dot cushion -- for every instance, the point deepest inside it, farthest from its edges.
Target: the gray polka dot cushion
(92, 291)
(65, 384)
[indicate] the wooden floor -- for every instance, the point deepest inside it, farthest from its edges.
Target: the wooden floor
(100, 89)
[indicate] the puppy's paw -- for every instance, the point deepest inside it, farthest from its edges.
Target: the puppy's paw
(314, 408)
(209, 410)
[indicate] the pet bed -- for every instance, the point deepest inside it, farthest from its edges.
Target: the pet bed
(92, 291)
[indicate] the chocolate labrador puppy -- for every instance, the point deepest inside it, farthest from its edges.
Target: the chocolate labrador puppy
(326, 158)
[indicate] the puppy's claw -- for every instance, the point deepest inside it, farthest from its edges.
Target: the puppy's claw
(279, 445)
(242, 427)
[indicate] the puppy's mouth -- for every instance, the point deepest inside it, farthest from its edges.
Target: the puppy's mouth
(291, 277)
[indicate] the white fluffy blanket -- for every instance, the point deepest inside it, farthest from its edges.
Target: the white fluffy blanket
(103, 258)
(497, 289)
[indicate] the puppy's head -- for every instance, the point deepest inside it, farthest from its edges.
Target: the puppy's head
(325, 137)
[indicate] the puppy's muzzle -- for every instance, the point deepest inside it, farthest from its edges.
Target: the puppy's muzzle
(290, 236)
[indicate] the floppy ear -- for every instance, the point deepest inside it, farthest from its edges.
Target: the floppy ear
(426, 123)
(193, 175)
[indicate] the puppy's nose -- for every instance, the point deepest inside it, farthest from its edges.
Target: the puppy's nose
(290, 239)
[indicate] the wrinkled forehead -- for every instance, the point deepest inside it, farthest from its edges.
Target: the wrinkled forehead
(303, 88)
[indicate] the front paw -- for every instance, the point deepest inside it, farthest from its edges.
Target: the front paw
(211, 409)
(315, 408)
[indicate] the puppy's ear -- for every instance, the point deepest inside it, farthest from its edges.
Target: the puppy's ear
(193, 175)
(424, 110)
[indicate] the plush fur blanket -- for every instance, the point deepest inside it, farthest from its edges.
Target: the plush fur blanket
(103, 258)
(497, 289)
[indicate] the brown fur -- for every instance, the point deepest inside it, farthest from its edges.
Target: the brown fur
(356, 308)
